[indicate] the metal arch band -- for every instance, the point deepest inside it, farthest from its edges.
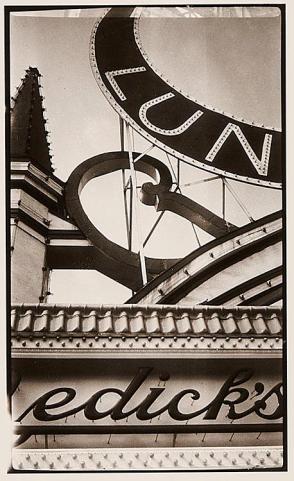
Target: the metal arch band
(116, 261)
(186, 129)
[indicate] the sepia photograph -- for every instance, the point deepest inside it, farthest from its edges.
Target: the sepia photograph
(146, 169)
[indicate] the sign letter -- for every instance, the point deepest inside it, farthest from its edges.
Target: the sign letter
(110, 77)
(178, 130)
(261, 165)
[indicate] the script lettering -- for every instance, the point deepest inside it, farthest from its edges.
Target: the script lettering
(41, 406)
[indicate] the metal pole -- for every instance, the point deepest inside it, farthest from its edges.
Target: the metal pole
(153, 227)
(177, 179)
(144, 153)
(131, 217)
(137, 211)
(121, 130)
(207, 179)
(238, 201)
(122, 146)
(224, 198)
(178, 172)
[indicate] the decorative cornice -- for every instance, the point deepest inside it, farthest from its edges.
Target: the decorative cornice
(131, 330)
(148, 459)
(132, 347)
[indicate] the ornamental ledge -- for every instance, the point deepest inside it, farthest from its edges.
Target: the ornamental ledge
(163, 344)
(184, 459)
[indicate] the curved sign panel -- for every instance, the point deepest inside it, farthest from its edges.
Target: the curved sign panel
(174, 122)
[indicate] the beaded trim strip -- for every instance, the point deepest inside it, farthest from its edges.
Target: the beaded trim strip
(147, 459)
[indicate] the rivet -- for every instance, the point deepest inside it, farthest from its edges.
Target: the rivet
(77, 344)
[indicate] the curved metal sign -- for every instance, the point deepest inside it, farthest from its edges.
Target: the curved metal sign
(173, 121)
(114, 260)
